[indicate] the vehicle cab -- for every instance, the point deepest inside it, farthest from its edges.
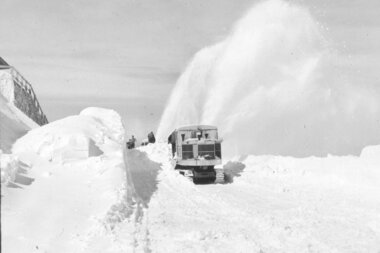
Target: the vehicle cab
(196, 145)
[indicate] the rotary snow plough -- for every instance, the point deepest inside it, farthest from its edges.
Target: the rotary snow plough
(196, 152)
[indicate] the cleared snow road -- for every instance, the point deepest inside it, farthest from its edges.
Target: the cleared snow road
(269, 208)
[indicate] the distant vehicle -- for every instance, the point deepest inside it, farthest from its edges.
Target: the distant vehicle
(144, 142)
(196, 151)
(131, 143)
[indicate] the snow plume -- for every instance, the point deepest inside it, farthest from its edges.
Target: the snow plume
(274, 86)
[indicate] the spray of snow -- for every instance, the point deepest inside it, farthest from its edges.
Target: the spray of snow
(272, 88)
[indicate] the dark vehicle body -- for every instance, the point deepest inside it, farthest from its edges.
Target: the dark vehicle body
(196, 150)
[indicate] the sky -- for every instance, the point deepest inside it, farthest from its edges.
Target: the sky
(127, 54)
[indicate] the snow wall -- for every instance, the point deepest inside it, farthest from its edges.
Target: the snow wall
(91, 133)
(275, 86)
(63, 186)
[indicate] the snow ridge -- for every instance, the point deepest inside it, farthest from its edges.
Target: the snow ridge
(61, 181)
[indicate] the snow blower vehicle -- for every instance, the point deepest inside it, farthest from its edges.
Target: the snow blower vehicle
(197, 152)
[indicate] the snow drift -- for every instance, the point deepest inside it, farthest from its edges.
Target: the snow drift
(60, 184)
(90, 133)
(8, 167)
(274, 86)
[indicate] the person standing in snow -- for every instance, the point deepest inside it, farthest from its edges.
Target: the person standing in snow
(151, 138)
(133, 140)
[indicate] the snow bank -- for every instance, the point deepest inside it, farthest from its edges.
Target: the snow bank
(110, 119)
(158, 152)
(91, 133)
(75, 173)
(371, 153)
(330, 171)
(8, 166)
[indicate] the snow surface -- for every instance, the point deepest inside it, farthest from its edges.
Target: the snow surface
(61, 194)
(63, 197)
(75, 137)
(270, 204)
(8, 165)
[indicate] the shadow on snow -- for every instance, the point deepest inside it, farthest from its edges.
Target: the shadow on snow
(143, 173)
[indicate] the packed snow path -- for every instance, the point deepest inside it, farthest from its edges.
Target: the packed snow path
(276, 204)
